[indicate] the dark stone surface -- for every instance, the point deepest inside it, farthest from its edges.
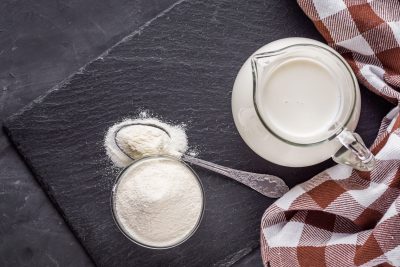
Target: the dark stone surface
(182, 67)
(41, 43)
(251, 260)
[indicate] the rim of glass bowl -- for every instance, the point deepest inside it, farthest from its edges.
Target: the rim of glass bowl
(120, 226)
(339, 128)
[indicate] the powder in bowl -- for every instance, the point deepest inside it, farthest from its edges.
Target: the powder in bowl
(158, 202)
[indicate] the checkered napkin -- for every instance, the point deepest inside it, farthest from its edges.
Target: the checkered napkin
(345, 217)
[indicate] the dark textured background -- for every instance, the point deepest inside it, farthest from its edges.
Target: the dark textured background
(194, 52)
(41, 43)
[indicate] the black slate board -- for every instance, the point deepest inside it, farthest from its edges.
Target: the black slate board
(182, 67)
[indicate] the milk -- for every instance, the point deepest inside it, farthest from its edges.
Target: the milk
(290, 108)
(300, 100)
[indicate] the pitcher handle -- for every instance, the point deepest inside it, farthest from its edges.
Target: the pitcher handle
(354, 152)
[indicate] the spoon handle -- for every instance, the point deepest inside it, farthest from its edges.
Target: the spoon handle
(268, 185)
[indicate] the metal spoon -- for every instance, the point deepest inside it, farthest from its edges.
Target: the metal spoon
(268, 185)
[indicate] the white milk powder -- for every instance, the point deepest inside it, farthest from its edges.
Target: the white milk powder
(139, 140)
(158, 202)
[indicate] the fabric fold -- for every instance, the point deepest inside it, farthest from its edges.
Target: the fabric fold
(344, 217)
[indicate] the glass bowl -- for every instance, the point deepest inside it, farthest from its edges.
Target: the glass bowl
(120, 224)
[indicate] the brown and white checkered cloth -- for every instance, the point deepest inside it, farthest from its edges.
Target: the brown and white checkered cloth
(344, 217)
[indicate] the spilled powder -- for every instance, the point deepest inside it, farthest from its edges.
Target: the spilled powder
(139, 140)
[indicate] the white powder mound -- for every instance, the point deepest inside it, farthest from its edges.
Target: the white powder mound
(158, 202)
(139, 140)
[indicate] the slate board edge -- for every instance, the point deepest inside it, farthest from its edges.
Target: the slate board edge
(47, 189)
(227, 261)
(65, 82)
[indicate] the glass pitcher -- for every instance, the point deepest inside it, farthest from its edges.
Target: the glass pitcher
(296, 102)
